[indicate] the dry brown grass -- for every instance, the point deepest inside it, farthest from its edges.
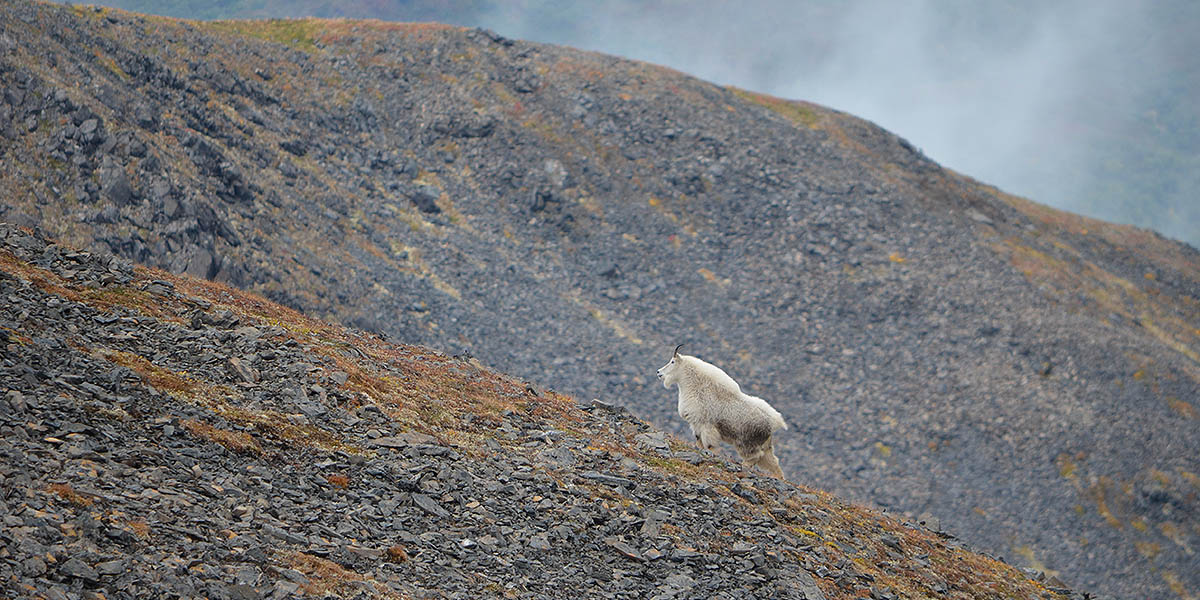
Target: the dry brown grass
(798, 112)
(306, 33)
(103, 299)
(237, 441)
(327, 578)
(275, 426)
(397, 554)
(335, 30)
(68, 494)
(160, 378)
(139, 528)
(1183, 408)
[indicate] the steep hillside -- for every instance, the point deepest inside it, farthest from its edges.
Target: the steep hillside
(165, 436)
(1024, 376)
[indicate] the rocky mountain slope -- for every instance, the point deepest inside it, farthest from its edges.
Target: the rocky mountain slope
(1132, 155)
(1026, 377)
(165, 436)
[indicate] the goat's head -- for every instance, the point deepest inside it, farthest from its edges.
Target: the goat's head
(669, 373)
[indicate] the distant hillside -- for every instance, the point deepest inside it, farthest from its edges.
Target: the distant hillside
(165, 436)
(1023, 376)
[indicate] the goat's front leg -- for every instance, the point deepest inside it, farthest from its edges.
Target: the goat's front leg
(707, 435)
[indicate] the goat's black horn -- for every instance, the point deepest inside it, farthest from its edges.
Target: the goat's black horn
(677, 349)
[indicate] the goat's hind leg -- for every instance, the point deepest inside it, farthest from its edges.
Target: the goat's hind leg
(749, 455)
(763, 457)
(768, 462)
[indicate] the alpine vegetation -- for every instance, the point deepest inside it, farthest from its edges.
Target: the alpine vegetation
(717, 410)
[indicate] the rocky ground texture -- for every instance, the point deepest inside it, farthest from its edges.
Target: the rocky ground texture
(1025, 377)
(166, 437)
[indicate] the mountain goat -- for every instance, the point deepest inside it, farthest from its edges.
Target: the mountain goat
(714, 405)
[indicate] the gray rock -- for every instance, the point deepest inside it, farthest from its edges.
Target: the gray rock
(890, 541)
(653, 523)
(114, 183)
(656, 440)
(112, 567)
(159, 287)
(243, 592)
(807, 586)
(241, 371)
(389, 442)
(680, 581)
(15, 400)
(623, 547)
(978, 216)
(606, 479)
(294, 576)
(285, 589)
(33, 566)
(429, 505)
(558, 456)
(282, 534)
(596, 403)
(73, 567)
(364, 552)
(425, 201)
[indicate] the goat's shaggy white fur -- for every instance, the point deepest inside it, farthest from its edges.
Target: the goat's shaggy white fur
(717, 410)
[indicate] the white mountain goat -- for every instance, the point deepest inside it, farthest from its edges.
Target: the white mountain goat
(714, 405)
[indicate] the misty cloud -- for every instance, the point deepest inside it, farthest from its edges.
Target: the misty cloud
(1029, 96)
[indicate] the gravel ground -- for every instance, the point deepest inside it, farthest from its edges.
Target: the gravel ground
(159, 443)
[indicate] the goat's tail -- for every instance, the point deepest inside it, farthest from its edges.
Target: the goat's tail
(777, 421)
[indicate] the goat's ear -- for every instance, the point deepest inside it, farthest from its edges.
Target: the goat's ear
(677, 349)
